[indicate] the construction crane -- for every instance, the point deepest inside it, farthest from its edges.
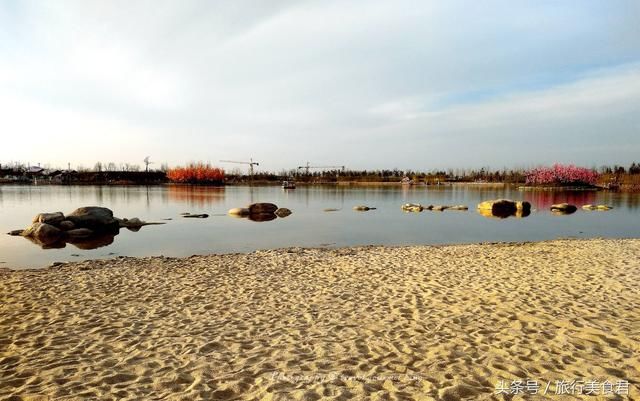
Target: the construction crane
(308, 167)
(251, 163)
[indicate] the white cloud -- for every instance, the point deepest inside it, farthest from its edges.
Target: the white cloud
(375, 83)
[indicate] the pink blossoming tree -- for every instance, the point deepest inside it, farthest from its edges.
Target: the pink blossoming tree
(560, 174)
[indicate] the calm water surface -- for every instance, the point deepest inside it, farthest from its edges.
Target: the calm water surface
(308, 226)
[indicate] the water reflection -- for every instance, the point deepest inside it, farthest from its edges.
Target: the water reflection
(194, 195)
(543, 200)
(93, 242)
(309, 225)
(566, 212)
(262, 217)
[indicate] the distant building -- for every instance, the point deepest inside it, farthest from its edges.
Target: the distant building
(34, 170)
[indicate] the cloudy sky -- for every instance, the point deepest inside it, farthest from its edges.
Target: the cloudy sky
(368, 84)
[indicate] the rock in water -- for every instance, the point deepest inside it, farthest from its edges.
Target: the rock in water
(15, 232)
(412, 207)
(440, 208)
(66, 225)
(134, 223)
(43, 233)
(283, 212)
(564, 208)
(196, 216)
(458, 207)
(239, 212)
(49, 218)
(503, 208)
(499, 205)
(362, 208)
(523, 206)
(262, 208)
(597, 207)
(98, 219)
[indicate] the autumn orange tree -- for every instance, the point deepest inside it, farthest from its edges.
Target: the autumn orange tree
(196, 173)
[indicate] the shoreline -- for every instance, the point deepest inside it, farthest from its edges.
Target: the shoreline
(432, 322)
(293, 249)
(519, 185)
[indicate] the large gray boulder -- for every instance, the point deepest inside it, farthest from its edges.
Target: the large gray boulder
(98, 219)
(49, 218)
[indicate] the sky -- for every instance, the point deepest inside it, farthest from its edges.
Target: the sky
(366, 84)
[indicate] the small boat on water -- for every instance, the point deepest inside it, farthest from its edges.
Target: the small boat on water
(288, 185)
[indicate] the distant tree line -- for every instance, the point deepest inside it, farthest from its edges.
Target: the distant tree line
(615, 175)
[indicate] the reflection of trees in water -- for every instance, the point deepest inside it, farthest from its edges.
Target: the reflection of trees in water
(195, 195)
(326, 195)
(544, 199)
(629, 200)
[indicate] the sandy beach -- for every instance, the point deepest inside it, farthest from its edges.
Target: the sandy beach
(371, 323)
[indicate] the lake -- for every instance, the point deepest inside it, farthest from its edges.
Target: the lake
(309, 225)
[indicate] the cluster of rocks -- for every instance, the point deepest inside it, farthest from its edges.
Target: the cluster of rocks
(503, 208)
(260, 212)
(600, 208)
(567, 208)
(86, 227)
(416, 207)
(362, 208)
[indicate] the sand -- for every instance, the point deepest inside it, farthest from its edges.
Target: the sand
(371, 323)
